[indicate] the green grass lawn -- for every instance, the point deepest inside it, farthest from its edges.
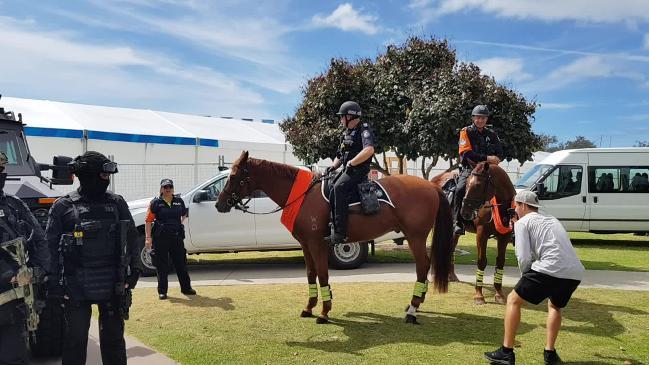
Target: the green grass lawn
(624, 252)
(259, 324)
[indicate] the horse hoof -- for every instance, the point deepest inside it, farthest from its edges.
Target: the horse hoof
(479, 301)
(321, 320)
(306, 314)
(500, 299)
(411, 319)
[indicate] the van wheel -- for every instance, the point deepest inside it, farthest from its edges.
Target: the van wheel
(145, 258)
(348, 256)
(49, 334)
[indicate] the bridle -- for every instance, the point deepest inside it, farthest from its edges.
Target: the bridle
(236, 201)
(476, 204)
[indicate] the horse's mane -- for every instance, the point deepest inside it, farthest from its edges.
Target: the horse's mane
(274, 168)
(495, 171)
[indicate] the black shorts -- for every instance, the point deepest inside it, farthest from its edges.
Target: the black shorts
(534, 287)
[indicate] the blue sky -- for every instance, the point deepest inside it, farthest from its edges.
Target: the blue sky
(585, 61)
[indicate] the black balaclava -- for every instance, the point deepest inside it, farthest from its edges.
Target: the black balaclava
(89, 167)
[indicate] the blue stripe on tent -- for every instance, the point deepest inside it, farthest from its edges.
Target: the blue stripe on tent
(268, 121)
(140, 138)
(120, 137)
(209, 142)
(53, 132)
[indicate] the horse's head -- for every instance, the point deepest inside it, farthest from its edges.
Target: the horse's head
(239, 185)
(479, 189)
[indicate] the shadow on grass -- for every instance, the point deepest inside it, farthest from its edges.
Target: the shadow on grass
(596, 318)
(368, 330)
(633, 245)
(201, 301)
(606, 360)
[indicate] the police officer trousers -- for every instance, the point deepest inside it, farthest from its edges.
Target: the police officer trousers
(13, 348)
(344, 185)
(111, 333)
(460, 190)
(170, 245)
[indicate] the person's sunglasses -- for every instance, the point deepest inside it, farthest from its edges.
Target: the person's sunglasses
(168, 187)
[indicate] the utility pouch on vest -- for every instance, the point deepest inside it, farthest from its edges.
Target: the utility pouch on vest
(369, 201)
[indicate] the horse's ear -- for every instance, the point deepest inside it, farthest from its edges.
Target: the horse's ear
(244, 156)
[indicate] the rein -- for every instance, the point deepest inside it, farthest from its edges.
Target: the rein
(237, 202)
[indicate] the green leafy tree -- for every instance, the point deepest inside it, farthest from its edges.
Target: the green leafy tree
(641, 144)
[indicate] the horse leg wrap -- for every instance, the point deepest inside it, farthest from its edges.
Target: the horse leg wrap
(325, 292)
(479, 277)
(498, 276)
(412, 310)
(313, 290)
(420, 289)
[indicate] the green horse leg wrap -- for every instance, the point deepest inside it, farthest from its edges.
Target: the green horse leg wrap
(479, 277)
(420, 289)
(325, 292)
(498, 276)
(313, 290)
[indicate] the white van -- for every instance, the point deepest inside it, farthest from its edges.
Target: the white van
(601, 190)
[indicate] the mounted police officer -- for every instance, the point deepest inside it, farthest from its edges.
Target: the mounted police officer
(16, 221)
(355, 154)
(92, 239)
(477, 143)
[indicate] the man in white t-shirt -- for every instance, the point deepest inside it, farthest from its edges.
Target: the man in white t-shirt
(550, 269)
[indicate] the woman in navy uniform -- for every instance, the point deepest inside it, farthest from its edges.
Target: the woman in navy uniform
(165, 233)
(355, 154)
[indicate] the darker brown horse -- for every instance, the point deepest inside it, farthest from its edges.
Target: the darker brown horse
(418, 207)
(485, 182)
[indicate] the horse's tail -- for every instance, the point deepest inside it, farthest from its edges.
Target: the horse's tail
(441, 251)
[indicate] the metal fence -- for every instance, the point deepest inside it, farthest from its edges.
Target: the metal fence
(137, 181)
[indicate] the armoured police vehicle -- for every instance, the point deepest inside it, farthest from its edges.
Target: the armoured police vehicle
(24, 180)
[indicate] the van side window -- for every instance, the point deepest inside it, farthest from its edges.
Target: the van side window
(625, 179)
(561, 182)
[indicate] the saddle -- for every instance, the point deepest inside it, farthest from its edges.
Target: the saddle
(369, 195)
(448, 188)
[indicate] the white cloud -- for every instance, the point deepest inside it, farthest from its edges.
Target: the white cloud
(504, 69)
(560, 106)
(418, 4)
(552, 10)
(346, 18)
(43, 64)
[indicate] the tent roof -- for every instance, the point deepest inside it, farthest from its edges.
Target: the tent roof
(49, 118)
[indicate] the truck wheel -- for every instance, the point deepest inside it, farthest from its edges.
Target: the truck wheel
(145, 258)
(49, 334)
(348, 255)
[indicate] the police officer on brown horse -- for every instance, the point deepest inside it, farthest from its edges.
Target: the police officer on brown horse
(355, 154)
(477, 143)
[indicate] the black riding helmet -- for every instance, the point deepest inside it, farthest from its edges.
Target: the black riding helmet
(350, 108)
(480, 110)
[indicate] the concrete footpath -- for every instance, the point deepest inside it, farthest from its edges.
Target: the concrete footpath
(251, 274)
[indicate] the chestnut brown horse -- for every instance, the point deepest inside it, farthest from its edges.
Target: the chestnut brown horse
(485, 182)
(418, 207)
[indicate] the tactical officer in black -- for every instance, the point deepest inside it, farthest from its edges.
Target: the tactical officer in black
(355, 154)
(167, 214)
(93, 243)
(16, 220)
(477, 143)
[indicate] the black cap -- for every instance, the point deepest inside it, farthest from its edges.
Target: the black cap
(166, 182)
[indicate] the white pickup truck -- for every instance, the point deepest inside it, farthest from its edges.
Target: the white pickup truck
(208, 231)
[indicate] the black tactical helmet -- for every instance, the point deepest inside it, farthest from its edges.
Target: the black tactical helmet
(481, 110)
(350, 108)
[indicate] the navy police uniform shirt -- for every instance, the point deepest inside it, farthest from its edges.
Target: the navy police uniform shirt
(353, 142)
(167, 213)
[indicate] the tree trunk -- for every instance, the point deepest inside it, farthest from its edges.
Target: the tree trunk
(377, 166)
(400, 157)
(428, 169)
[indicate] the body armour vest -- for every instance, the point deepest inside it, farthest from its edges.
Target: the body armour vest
(91, 250)
(10, 227)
